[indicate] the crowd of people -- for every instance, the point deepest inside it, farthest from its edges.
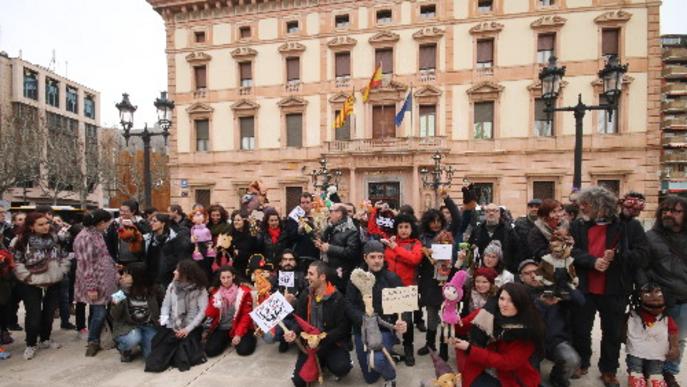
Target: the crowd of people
(175, 288)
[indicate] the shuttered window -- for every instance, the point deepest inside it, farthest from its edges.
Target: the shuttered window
(484, 120)
(545, 47)
(428, 116)
(428, 53)
(385, 56)
(201, 77)
(610, 41)
(246, 72)
(485, 53)
(293, 69)
(247, 125)
(294, 130)
(544, 190)
(342, 64)
(202, 135)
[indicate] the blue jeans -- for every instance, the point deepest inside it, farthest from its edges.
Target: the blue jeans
(381, 367)
(142, 336)
(95, 322)
(644, 366)
(679, 314)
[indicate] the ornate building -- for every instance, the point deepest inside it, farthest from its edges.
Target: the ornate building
(257, 85)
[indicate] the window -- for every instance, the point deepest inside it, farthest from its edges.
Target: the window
(199, 36)
(484, 120)
(246, 72)
(542, 126)
(343, 133)
(485, 6)
(544, 190)
(52, 92)
(428, 11)
(385, 56)
(247, 125)
(203, 197)
(610, 41)
(428, 116)
(545, 47)
(342, 64)
(202, 135)
(72, 100)
(89, 106)
(294, 130)
(485, 193)
(200, 75)
(30, 84)
(387, 192)
(604, 126)
(293, 69)
(428, 57)
(546, 3)
(384, 16)
(485, 53)
(244, 32)
(383, 121)
(293, 197)
(292, 27)
(342, 21)
(612, 185)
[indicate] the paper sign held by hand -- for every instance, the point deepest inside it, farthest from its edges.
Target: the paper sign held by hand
(297, 213)
(287, 279)
(271, 312)
(442, 252)
(399, 300)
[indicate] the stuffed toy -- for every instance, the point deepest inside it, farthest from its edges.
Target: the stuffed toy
(453, 294)
(470, 254)
(259, 271)
(331, 196)
(131, 235)
(255, 198)
(6, 276)
(442, 268)
(201, 234)
(311, 369)
(370, 333)
(445, 375)
(223, 257)
(556, 270)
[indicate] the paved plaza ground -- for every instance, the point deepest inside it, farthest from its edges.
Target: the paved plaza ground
(68, 367)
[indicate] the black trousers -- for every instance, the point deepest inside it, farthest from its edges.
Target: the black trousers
(40, 305)
(336, 359)
(611, 310)
(219, 340)
(169, 351)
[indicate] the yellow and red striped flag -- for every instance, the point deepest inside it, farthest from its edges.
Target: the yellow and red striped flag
(375, 82)
(345, 111)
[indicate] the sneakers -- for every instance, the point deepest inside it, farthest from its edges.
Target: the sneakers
(670, 380)
(92, 349)
(82, 334)
(30, 352)
(390, 383)
(609, 379)
(49, 344)
(636, 380)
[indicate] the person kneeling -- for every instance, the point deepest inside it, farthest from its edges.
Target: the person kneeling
(228, 316)
(177, 344)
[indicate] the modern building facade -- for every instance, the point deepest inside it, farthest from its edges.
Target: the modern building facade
(257, 85)
(66, 116)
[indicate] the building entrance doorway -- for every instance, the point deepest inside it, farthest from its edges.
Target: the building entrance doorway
(388, 192)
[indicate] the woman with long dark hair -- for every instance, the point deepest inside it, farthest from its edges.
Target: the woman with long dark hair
(243, 242)
(217, 222)
(164, 248)
(502, 336)
(272, 238)
(40, 265)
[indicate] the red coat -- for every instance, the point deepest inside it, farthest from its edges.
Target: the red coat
(404, 259)
(241, 323)
(510, 359)
(372, 226)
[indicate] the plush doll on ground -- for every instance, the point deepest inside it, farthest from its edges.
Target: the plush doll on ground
(445, 375)
(311, 370)
(556, 270)
(453, 294)
(369, 329)
(652, 338)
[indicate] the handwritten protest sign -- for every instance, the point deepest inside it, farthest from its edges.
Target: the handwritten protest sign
(442, 252)
(271, 312)
(287, 279)
(399, 300)
(297, 213)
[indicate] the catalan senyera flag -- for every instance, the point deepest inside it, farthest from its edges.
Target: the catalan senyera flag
(345, 111)
(375, 82)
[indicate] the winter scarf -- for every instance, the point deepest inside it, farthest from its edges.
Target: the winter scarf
(477, 300)
(227, 297)
(490, 326)
(274, 234)
(345, 225)
(180, 292)
(544, 228)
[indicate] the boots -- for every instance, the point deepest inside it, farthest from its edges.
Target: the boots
(443, 351)
(419, 321)
(656, 381)
(609, 379)
(636, 380)
(431, 337)
(408, 353)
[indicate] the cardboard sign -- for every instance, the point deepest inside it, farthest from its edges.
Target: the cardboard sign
(442, 252)
(399, 300)
(271, 312)
(297, 213)
(287, 279)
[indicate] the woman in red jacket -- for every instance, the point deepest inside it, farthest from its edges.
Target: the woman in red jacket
(403, 254)
(228, 315)
(501, 340)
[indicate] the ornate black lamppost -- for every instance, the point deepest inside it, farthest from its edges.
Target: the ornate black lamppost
(434, 178)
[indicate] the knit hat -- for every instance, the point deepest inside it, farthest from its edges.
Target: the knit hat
(486, 272)
(440, 366)
(494, 247)
(525, 263)
(373, 246)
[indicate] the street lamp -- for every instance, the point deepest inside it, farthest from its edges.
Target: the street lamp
(164, 107)
(551, 77)
(433, 178)
(322, 177)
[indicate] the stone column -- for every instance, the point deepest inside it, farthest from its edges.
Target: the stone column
(353, 188)
(415, 186)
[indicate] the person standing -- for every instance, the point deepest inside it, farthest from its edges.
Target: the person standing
(164, 249)
(525, 224)
(298, 238)
(341, 244)
(550, 218)
(495, 228)
(127, 249)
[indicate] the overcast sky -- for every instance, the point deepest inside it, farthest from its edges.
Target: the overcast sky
(116, 46)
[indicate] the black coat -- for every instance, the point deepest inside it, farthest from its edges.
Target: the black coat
(271, 251)
(300, 242)
(112, 239)
(632, 253)
(183, 223)
(429, 288)
(344, 246)
(523, 227)
(163, 253)
(538, 243)
(455, 227)
(246, 245)
(356, 308)
(335, 322)
(668, 263)
(510, 243)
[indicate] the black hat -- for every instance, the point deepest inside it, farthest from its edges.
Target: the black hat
(258, 261)
(534, 202)
(373, 246)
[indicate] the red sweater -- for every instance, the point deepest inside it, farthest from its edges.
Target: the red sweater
(241, 324)
(404, 259)
(510, 359)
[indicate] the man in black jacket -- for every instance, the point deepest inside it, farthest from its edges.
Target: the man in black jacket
(324, 307)
(494, 228)
(524, 225)
(668, 268)
(179, 218)
(607, 253)
(341, 244)
(297, 239)
(128, 216)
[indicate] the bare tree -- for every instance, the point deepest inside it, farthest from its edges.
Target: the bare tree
(63, 159)
(21, 145)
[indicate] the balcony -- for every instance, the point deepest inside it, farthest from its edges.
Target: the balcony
(246, 90)
(675, 54)
(674, 140)
(675, 122)
(427, 75)
(675, 88)
(674, 72)
(293, 86)
(674, 156)
(343, 82)
(200, 93)
(387, 145)
(674, 106)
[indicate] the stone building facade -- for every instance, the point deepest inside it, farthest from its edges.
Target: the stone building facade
(257, 85)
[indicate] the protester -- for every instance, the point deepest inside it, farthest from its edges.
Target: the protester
(341, 244)
(525, 224)
(218, 221)
(124, 236)
(483, 287)
(550, 217)
(96, 276)
(164, 249)
(272, 238)
(495, 228)
(493, 259)
(298, 238)
(243, 242)
(452, 215)
(631, 205)
(288, 263)
(179, 218)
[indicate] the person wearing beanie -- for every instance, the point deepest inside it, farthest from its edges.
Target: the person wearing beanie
(493, 258)
(495, 227)
(483, 287)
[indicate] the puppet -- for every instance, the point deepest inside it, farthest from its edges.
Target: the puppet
(453, 294)
(311, 369)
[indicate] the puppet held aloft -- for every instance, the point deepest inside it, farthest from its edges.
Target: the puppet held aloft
(556, 270)
(453, 293)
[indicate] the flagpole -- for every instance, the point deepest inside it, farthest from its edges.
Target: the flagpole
(412, 111)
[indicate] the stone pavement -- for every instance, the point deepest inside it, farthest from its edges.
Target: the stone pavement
(266, 367)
